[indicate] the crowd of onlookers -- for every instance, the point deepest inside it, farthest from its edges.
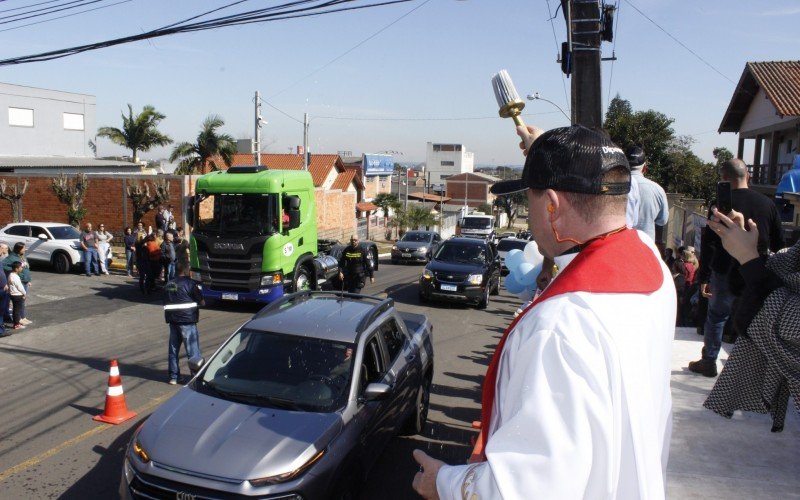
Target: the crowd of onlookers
(15, 281)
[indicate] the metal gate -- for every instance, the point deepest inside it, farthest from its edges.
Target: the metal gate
(361, 228)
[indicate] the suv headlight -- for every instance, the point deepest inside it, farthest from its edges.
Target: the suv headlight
(288, 476)
(139, 452)
(394, 247)
(475, 279)
(427, 274)
(272, 279)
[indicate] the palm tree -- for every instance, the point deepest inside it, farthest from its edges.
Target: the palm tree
(139, 132)
(417, 216)
(209, 148)
(387, 201)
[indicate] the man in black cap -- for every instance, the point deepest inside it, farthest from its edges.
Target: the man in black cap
(576, 401)
(653, 208)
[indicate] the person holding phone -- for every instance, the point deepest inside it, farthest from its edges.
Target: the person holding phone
(718, 275)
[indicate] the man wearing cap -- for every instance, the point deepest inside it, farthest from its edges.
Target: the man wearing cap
(576, 401)
(354, 267)
(653, 208)
(182, 301)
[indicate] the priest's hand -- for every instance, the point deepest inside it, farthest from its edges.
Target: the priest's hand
(425, 480)
(528, 135)
(546, 274)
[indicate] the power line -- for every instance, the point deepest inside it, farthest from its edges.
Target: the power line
(720, 73)
(64, 16)
(351, 49)
(29, 6)
(613, 53)
(257, 16)
(558, 51)
(47, 10)
(423, 119)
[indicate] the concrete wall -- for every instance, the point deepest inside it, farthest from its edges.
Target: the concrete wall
(47, 136)
(463, 161)
(336, 211)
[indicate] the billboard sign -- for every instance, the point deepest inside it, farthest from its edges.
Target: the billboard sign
(378, 164)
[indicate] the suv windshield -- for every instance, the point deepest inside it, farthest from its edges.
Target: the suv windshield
(506, 245)
(420, 237)
(466, 254)
(477, 223)
(254, 214)
(281, 371)
(64, 232)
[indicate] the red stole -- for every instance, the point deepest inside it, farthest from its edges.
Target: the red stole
(617, 263)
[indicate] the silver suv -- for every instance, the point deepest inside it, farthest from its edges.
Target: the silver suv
(46, 242)
(296, 404)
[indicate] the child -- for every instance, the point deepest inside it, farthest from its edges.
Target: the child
(17, 291)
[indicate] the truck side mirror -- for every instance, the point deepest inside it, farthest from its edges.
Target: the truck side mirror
(190, 215)
(294, 219)
(291, 205)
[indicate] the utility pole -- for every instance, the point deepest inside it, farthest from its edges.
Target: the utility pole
(588, 25)
(305, 141)
(257, 142)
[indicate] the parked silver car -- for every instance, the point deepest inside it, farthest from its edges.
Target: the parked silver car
(296, 404)
(416, 246)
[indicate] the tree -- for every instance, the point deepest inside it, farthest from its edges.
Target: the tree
(651, 130)
(510, 205)
(722, 154)
(139, 132)
(14, 197)
(141, 200)
(387, 201)
(72, 195)
(414, 216)
(206, 152)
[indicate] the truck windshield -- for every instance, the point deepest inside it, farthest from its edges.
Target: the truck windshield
(253, 214)
(284, 371)
(477, 223)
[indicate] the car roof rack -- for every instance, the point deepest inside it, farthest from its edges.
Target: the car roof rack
(379, 308)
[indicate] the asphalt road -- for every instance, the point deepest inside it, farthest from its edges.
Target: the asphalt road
(55, 372)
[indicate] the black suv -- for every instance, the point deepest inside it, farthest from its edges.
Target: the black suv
(462, 270)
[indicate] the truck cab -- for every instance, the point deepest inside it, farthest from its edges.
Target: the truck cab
(254, 233)
(478, 225)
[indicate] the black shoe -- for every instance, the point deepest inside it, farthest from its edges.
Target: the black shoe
(704, 367)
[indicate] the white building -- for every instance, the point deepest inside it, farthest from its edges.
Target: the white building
(444, 160)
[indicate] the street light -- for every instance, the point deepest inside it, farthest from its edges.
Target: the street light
(535, 97)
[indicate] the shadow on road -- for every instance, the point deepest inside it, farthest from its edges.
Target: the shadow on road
(103, 480)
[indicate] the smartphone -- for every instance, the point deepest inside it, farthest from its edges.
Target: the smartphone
(724, 197)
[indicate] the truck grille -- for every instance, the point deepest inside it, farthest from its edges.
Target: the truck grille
(229, 270)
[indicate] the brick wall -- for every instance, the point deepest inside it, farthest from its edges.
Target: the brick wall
(106, 202)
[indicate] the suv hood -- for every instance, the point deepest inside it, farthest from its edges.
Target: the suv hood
(199, 433)
(455, 267)
(402, 245)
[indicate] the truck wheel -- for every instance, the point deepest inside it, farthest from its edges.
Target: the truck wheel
(302, 280)
(61, 263)
(419, 416)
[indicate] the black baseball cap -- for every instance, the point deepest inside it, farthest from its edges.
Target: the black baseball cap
(572, 159)
(635, 155)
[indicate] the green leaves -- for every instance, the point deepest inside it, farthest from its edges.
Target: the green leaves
(139, 132)
(387, 201)
(208, 151)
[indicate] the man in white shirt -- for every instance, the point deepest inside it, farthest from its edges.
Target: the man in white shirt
(576, 402)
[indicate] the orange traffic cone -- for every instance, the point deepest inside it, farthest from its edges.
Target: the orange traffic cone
(116, 410)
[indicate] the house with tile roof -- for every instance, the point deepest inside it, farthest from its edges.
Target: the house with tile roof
(765, 108)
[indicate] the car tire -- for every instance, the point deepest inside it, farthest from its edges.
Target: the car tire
(415, 424)
(61, 263)
(496, 287)
(483, 303)
(302, 279)
(422, 298)
(394, 262)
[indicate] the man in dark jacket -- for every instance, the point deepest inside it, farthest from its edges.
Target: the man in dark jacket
(719, 275)
(182, 302)
(354, 266)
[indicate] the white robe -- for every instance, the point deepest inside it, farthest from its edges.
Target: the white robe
(583, 406)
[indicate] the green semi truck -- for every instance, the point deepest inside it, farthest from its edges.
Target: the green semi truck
(254, 235)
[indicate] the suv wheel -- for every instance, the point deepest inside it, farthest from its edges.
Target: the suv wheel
(496, 287)
(419, 417)
(61, 263)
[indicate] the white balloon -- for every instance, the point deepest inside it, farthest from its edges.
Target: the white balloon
(532, 254)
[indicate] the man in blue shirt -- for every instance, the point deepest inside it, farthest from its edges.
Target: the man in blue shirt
(182, 301)
(653, 208)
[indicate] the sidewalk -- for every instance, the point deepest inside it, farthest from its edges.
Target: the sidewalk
(713, 457)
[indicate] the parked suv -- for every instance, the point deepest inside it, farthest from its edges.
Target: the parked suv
(462, 270)
(46, 242)
(416, 246)
(297, 404)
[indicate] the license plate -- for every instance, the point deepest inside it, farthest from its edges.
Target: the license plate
(230, 296)
(449, 288)
(406, 255)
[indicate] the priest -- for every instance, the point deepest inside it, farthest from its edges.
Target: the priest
(576, 401)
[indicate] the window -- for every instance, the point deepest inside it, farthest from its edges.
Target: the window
(21, 230)
(73, 121)
(37, 230)
(445, 163)
(393, 338)
(20, 117)
(372, 365)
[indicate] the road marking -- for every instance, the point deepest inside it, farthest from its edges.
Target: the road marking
(77, 439)
(49, 297)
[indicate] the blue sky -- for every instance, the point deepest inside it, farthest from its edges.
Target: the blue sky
(436, 62)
